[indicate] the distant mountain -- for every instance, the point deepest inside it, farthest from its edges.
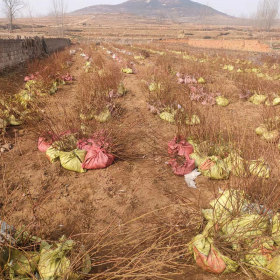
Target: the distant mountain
(155, 8)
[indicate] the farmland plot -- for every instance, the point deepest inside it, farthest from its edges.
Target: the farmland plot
(100, 144)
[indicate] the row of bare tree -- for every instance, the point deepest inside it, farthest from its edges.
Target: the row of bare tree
(59, 10)
(267, 14)
(12, 8)
(265, 18)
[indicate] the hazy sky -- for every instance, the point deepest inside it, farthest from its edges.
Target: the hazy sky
(232, 7)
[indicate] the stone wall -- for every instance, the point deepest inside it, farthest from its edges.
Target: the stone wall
(16, 51)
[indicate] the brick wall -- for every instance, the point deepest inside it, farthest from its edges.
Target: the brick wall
(15, 51)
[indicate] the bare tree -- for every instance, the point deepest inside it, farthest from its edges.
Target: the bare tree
(59, 10)
(30, 15)
(267, 13)
(12, 7)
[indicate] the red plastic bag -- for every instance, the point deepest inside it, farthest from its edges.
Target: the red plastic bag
(67, 78)
(97, 158)
(86, 144)
(29, 78)
(212, 263)
(43, 144)
(181, 148)
(182, 169)
(180, 161)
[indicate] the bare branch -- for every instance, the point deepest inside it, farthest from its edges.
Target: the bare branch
(12, 7)
(267, 13)
(59, 9)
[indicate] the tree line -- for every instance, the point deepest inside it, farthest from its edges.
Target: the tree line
(13, 7)
(265, 18)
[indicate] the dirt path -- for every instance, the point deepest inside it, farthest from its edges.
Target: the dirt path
(53, 201)
(63, 103)
(165, 181)
(66, 202)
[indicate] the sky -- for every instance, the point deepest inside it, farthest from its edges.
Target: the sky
(231, 7)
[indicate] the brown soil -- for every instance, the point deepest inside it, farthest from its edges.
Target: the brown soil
(238, 45)
(121, 192)
(46, 197)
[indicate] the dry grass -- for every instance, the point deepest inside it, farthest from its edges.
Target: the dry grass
(154, 245)
(139, 249)
(95, 87)
(50, 69)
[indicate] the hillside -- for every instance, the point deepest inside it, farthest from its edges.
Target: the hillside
(155, 8)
